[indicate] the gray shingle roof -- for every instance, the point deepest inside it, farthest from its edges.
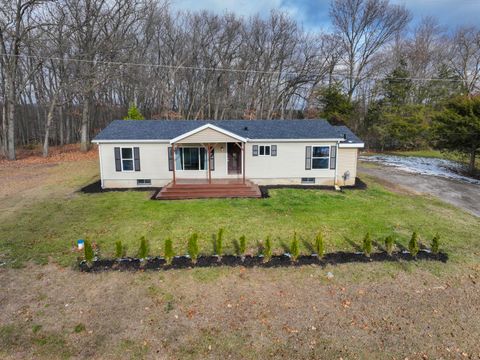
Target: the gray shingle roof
(252, 129)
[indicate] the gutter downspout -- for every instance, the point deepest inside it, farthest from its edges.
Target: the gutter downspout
(101, 166)
(336, 166)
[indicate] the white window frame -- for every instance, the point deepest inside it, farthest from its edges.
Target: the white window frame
(264, 148)
(144, 182)
(321, 157)
(133, 158)
(183, 158)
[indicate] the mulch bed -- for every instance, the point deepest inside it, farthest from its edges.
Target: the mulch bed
(359, 185)
(96, 187)
(184, 262)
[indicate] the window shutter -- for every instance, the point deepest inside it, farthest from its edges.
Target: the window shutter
(308, 157)
(255, 150)
(170, 159)
(212, 159)
(136, 158)
(118, 161)
(333, 157)
(273, 150)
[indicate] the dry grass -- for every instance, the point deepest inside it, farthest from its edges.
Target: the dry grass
(240, 313)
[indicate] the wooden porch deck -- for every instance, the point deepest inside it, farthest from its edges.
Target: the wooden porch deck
(217, 188)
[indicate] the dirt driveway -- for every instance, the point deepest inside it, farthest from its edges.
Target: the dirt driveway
(462, 195)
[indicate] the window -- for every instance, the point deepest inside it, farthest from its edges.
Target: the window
(264, 150)
(191, 158)
(127, 159)
(144, 182)
(320, 157)
(308, 180)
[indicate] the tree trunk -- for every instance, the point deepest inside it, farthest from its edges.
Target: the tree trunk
(471, 165)
(10, 119)
(62, 125)
(48, 126)
(4, 128)
(84, 140)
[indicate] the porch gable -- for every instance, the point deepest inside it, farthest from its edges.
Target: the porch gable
(207, 134)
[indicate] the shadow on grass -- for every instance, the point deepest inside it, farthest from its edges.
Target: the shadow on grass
(353, 244)
(285, 247)
(236, 247)
(400, 246)
(308, 245)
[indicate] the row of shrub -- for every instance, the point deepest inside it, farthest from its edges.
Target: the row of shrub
(264, 248)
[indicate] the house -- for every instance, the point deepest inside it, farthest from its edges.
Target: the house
(229, 157)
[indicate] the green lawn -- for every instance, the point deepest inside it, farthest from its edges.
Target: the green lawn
(47, 229)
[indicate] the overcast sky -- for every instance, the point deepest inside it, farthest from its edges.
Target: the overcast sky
(314, 13)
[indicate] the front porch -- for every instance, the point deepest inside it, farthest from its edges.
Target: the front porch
(207, 153)
(209, 188)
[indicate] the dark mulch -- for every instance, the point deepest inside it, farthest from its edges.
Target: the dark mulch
(359, 185)
(184, 262)
(96, 187)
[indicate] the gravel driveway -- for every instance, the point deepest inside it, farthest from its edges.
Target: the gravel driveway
(460, 194)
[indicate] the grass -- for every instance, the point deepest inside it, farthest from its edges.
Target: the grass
(228, 312)
(47, 230)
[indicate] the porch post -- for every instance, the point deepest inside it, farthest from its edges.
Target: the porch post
(209, 150)
(243, 161)
(173, 159)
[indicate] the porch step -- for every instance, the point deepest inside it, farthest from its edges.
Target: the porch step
(213, 190)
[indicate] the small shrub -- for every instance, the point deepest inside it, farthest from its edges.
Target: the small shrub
(267, 250)
(168, 250)
(294, 248)
(88, 250)
(219, 242)
(36, 328)
(79, 328)
(367, 245)
(243, 245)
(389, 244)
(435, 245)
(319, 245)
(193, 247)
(143, 249)
(413, 246)
(120, 250)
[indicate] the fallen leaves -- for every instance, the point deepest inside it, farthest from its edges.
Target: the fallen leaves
(67, 153)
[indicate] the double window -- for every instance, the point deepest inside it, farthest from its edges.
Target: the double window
(127, 158)
(264, 150)
(320, 157)
(191, 158)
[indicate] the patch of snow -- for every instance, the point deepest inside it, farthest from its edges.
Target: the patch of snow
(424, 166)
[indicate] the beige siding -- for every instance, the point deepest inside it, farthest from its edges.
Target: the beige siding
(288, 167)
(207, 136)
(347, 161)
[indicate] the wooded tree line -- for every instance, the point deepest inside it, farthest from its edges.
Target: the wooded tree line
(68, 67)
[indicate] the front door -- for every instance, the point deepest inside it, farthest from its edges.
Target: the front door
(234, 158)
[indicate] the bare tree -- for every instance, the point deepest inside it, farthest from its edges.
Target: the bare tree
(17, 20)
(465, 57)
(363, 27)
